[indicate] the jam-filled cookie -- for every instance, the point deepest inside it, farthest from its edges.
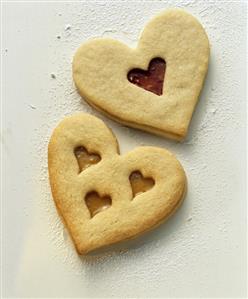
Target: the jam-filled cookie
(104, 197)
(154, 87)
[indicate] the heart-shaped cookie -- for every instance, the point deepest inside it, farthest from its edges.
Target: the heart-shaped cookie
(159, 98)
(116, 197)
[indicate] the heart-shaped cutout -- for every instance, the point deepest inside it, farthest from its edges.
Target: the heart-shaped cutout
(103, 69)
(84, 158)
(152, 79)
(140, 184)
(97, 203)
(101, 205)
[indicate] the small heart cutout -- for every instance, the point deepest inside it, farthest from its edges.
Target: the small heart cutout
(152, 79)
(140, 184)
(84, 158)
(96, 203)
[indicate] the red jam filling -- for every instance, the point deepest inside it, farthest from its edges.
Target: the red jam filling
(151, 80)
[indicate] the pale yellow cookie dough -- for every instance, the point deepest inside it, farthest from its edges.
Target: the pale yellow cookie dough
(129, 215)
(100, 69)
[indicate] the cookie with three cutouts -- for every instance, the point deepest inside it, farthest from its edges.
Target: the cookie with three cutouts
(154, 87)
(104, 197)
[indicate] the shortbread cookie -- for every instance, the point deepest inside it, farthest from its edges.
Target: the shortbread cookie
(103, 197)
(154, 87)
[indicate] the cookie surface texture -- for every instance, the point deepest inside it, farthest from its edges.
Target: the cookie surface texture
(105, 74)
(114, 197)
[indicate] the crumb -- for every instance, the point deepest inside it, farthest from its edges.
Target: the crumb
(122, 251)
(32, 106)
(58, 36)
(53, 76)
(67, 27)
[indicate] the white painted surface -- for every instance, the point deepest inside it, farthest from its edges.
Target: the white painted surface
(200, 252)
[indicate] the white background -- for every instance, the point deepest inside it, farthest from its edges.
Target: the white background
(200, 252)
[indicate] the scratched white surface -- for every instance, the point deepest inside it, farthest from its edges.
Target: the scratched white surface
(200, 252)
